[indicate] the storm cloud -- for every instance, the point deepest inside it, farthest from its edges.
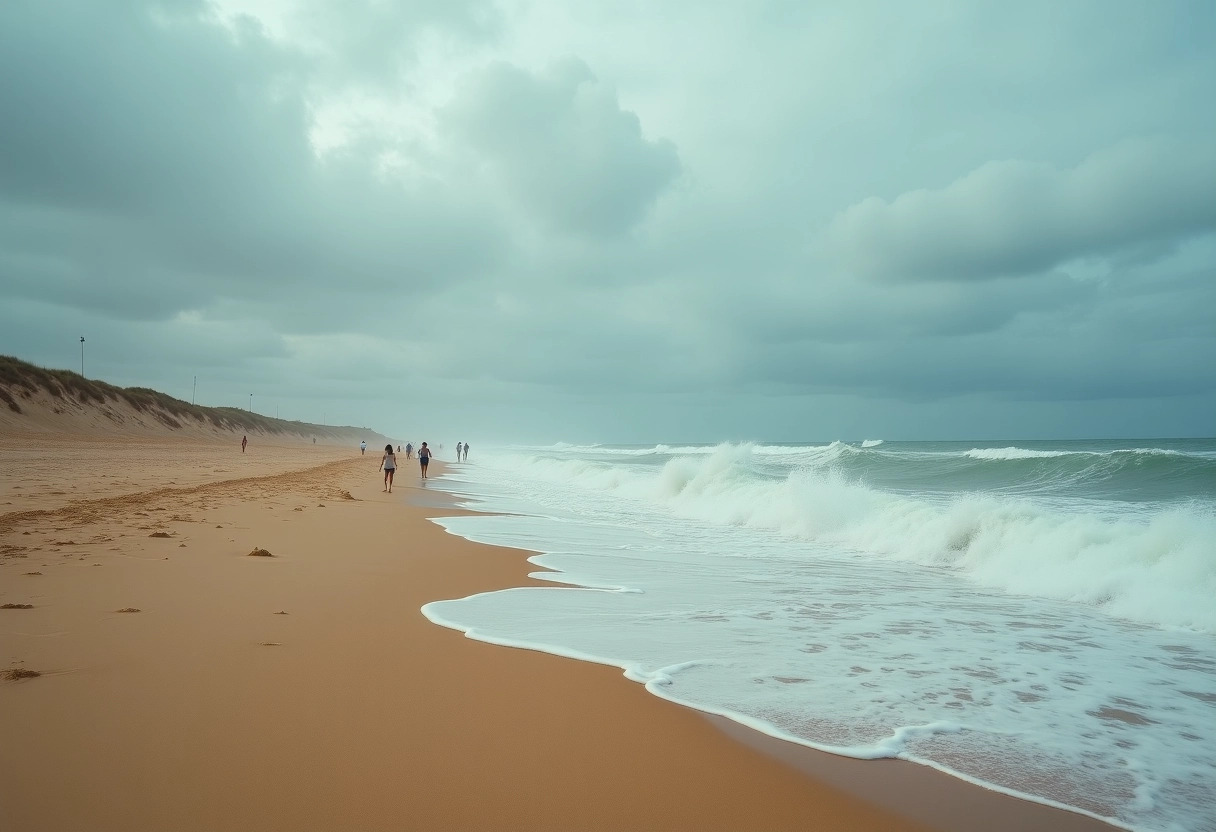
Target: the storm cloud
(601, 222)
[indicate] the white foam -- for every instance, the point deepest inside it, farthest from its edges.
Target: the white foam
(865, 658)
(1013, 453)
(1156, 566)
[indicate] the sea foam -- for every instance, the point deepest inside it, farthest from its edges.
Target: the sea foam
(825, 595)
(1156, 566)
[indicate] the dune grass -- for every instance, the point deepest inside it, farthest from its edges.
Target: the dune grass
(20, 379)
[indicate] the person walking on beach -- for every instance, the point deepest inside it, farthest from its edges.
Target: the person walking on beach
(388, 463)
(362, 448)
(244, 442)
(424, 458)
(458, 447)
(466, 451)
(409, 450)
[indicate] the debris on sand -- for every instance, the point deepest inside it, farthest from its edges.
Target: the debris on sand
(260, 553)
(16, 673)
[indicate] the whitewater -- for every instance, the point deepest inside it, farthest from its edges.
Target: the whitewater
(1035, 617)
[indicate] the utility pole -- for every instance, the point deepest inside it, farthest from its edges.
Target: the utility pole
(195, 391)
(82, 356)
(250, 402)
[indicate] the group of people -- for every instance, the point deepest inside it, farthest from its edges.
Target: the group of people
(388, 462)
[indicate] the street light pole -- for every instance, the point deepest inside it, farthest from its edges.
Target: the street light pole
(250, 402)
(82, 356)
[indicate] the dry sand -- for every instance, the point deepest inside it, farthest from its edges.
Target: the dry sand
(185, 685)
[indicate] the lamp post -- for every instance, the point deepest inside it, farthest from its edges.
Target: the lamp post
(250, 402)
(82, 356)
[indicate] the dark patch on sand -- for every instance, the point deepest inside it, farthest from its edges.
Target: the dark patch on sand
(160, 534)
(13, 674)
(259, 553)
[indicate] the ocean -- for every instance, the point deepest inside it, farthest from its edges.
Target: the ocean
(1035, 617)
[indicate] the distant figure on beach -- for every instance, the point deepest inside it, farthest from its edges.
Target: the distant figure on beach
(466, 451)
(398, 449)
(388, 463)
(424, 457)
(244, 442)
(362, 448)
(458, 447)
(314, 440)
(409, 450)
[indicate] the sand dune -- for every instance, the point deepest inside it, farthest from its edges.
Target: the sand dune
(38, 401)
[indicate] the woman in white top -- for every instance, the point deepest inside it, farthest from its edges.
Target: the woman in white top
(424, 458)
(389, 465)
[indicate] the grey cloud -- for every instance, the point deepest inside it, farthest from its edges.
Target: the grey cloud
(561, 143)
(166, 165)
(360, 43)
(1017, 217)
(529, 248)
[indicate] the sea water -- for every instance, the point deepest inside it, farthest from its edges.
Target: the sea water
(1036, 617)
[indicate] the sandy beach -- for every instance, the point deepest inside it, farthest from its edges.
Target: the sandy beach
(187, 684)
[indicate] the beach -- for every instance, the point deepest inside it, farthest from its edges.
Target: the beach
(188, 680)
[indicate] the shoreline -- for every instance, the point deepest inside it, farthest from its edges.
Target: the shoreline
(307, 690)
(914, 792)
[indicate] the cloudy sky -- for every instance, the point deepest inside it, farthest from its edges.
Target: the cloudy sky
(622, 221)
